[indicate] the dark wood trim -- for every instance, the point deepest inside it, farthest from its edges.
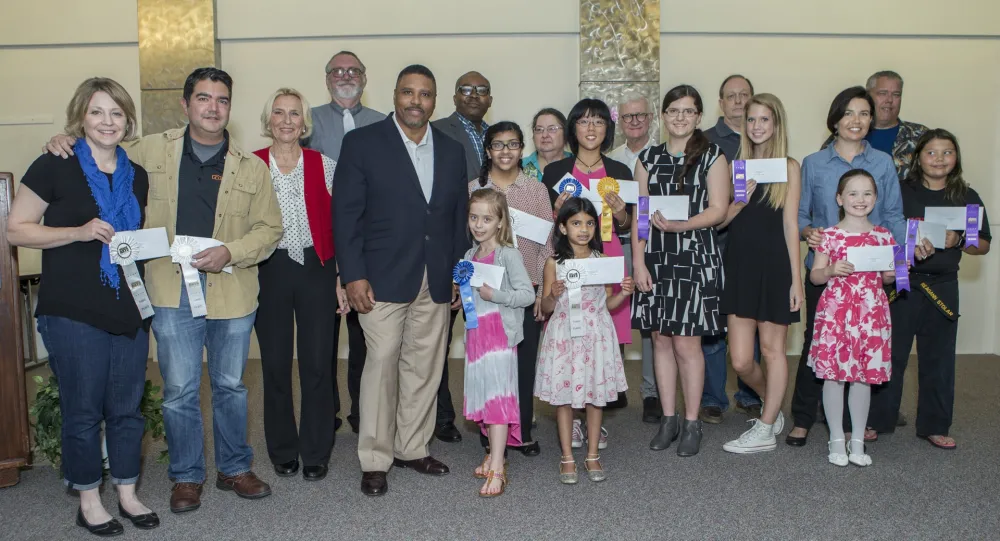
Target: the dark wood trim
(14, 436)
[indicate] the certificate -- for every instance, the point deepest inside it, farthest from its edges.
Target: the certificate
(197, 245)
(486, 274)
(529, 226)
(763, 171)
(672, 207)
(594, 271)
(953, 218)
(871, 258)
(140, 244)
(935, 233)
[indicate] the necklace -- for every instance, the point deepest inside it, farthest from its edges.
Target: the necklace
(590, 166)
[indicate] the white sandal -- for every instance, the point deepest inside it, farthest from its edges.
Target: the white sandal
(837, 459)
(858, 459)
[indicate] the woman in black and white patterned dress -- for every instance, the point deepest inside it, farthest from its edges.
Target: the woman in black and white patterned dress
(678, 271)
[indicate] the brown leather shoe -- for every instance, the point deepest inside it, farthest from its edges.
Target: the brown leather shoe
(428, 465)
(185, 497)
(374, 483)
(245, 485)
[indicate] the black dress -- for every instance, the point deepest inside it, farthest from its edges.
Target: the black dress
(758, 274)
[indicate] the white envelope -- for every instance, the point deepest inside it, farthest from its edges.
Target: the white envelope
(147, 243)
(953, 218)
(628, 190)
(596, 270)
(530, 226)
(204, 243)
(672, 207)
(765, 171)
(871, 258)
(486, 274)
(936, 233)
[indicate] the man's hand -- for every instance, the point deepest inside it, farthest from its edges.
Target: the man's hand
(61, 145)
(212, 259)
(360, 296)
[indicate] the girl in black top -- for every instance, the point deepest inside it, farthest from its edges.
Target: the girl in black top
(929, 311)
(97, 341)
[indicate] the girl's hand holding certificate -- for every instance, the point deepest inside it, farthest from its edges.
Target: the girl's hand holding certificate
(842, 268)
(628, 286)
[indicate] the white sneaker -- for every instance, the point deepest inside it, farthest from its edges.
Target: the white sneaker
(577, 441)
(779, 423)
(601, 443)
(758, 439)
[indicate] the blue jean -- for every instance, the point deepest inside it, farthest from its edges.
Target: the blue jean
(101, 378)
(180, 340)
(716, 371)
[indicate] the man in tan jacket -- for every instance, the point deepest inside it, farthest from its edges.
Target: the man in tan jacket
(201, 184)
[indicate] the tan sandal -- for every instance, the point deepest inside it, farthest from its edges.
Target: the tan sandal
(568, 478)
(484, 467)
(490, 476)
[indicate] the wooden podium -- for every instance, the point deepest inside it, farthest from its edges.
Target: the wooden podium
(14, 442)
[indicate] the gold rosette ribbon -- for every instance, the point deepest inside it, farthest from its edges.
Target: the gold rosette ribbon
(605, 186)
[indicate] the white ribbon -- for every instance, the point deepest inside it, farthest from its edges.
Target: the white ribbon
(182, 252)
(574, 284)
(124, 251)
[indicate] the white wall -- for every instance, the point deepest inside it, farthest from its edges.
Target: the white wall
(802, 51)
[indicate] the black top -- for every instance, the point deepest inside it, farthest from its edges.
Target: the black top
(915, 200)
(71, 285)
(198, 190)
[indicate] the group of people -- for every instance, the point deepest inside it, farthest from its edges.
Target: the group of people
(377, 219)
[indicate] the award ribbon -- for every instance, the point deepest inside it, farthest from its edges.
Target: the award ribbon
(605, 186)
(740, 181)
(574, 289)
(643, 217)
(971, 226)
(462, 273)
(570, 185)
(124, 251)
(911, 239)
(900, 265)
(181, 252)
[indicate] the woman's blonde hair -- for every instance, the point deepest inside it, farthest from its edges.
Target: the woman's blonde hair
(76, 111)
(775, 147)
(498, 206)
(265, 115)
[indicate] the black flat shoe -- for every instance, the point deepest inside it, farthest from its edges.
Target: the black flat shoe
(796, 442)
(353, 421)
(530, 449)
(448, 433)
(143, 522)
(287, 469)
(337, 423)
(314, 473)
(108, 529)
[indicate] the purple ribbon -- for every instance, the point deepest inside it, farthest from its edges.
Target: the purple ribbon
(971, 226)
(902, 273)
(740, 181)
(911, 239)
(643, 217)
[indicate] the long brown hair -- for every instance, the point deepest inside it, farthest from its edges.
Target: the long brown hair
(497, 202)
(698, 144)
(775, 147)
(955, 186)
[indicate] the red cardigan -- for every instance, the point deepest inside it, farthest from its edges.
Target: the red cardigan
(318, 200)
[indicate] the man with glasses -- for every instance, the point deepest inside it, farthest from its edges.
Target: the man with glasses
(346, 80)
(635, 118)
(466, 124)
(734, 93)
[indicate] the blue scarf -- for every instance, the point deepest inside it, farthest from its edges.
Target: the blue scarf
(116, 203)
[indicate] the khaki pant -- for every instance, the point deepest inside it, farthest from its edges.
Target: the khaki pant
(406, 348)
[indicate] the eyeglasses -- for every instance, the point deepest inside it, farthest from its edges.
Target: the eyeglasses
(638, 117)
(551, 129)
(595, 122)
(500, 145)
(339, 73)
(674, 113)
(467, 90)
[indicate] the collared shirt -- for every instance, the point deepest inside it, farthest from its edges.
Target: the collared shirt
(625, 155)
(532, 168)
(474, 136)
(821, 172)
(198, 188)
(727, 139)
(902, 148)
(422, 157)
(291, 193)
(328, 126)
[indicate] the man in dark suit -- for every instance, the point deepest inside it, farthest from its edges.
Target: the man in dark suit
(399, 206)
(465, 125)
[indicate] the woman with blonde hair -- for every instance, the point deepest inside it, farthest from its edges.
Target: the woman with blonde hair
(98, 341)
(763, 291)
(299, 291)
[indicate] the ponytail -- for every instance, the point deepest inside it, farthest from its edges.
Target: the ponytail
(484, 172)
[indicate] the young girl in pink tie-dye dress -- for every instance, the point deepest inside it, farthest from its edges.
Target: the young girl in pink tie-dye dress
(491, 348)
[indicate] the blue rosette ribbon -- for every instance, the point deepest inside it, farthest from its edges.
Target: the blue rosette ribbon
(462, 274)
(570, 185)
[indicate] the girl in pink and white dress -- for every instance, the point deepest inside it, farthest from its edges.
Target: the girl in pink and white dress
(852, 333)
(491, 396)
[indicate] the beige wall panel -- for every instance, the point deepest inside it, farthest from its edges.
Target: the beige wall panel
(806, 74)
(250, 19)
(175, 37)
(849, 17)
(46, 22)
(162, 110)
(619, 40)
